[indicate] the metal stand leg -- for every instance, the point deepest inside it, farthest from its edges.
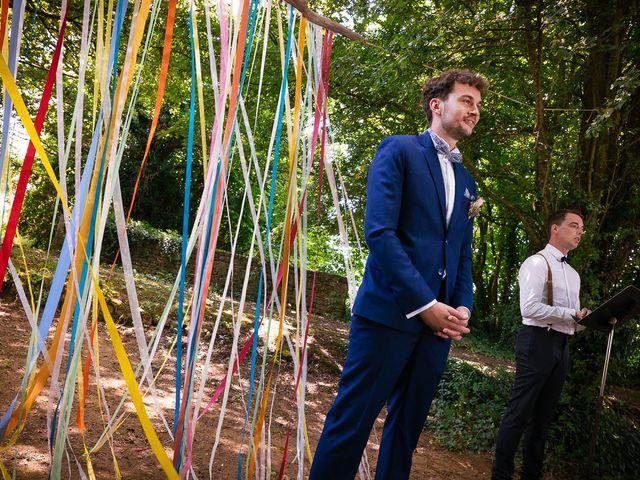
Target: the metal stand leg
(605, 370)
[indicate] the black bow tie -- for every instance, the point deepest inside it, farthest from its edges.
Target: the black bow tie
(564, 259)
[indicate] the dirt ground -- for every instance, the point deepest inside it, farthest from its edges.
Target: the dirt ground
(327, 347)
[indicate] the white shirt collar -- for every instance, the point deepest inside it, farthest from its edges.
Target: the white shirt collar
(553, 251)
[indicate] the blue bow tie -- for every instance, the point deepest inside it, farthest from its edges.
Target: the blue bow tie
(454, 156)
(564, 259)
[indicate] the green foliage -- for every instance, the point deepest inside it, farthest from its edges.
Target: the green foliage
(325, 252)
(159, 199)
(471, 400)
(141, 235)
(570, 436)
(509, 321)
(534, 149)
(468, 406)
(37, 210)
(587, 356)
(559, 128)
(481, 342)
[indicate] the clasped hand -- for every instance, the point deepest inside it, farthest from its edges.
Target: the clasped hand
(582, 313)
(445, 321)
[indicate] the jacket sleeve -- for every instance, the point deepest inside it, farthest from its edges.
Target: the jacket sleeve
(384, 202)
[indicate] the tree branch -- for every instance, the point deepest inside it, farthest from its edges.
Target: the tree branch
(317, 19)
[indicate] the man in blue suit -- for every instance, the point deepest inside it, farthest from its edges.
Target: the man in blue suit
(417, 292)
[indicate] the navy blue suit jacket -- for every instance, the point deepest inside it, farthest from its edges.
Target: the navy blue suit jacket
(410, 246)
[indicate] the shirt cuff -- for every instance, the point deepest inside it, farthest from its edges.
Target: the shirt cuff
(422, 309)
(570, 314)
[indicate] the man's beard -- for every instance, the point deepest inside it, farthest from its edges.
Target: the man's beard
(455, 132)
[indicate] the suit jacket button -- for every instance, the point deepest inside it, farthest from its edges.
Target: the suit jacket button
(440, 272)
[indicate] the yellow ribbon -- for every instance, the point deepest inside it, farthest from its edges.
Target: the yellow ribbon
(121, 353)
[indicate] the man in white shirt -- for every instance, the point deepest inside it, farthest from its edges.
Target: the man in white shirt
(542, 350)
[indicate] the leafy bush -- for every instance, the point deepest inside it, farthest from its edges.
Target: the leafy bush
(486, 344)
(509, 320)
(618, 443)
(468, 406)
(37, 210)
(471, 400)
(500, 328)
(141, 236)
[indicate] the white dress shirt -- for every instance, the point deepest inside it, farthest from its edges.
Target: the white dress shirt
(449, 178)
(533, 292)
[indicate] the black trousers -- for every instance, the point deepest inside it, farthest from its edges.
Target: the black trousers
(542, 361)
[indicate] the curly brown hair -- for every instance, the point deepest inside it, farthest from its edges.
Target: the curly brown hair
(442, 85)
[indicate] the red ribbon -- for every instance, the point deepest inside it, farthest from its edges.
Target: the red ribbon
(3, 20)
(25, 172)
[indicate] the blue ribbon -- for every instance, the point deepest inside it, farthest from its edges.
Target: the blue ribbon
(185, 233)
(64, 258)
(274, 172)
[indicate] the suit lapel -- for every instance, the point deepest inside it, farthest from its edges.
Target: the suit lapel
(436, 172)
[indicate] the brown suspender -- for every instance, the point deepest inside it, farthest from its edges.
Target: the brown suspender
(549, 281)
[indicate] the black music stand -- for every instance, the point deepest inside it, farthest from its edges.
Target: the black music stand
(611, 314)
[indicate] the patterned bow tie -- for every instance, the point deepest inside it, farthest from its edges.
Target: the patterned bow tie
(454, 156)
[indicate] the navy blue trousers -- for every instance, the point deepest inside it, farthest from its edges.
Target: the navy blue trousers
(383, 365)
(542, 361)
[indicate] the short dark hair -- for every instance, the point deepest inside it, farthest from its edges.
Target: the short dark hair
(442, 85)
(557, 217)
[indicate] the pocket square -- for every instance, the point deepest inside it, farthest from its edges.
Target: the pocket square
(468, 195)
